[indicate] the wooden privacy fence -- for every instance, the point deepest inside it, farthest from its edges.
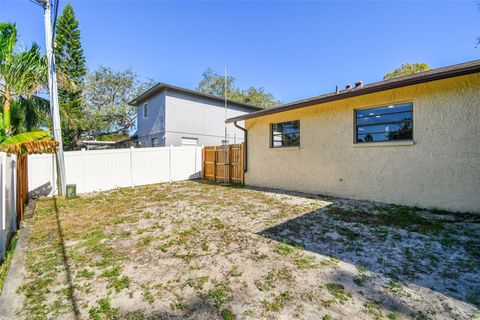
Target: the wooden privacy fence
(22, 185)
(224, 163)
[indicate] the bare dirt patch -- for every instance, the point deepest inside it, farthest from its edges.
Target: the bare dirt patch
(197, 250)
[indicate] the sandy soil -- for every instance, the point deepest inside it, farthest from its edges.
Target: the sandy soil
(194, 250)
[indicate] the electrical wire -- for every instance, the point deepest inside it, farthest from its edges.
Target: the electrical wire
(37, 3)
(54, 23)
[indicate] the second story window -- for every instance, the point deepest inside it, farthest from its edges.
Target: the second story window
(285, 134)
(145, 110)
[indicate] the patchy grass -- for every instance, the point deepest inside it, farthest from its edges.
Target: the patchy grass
(5, 265)
(177, 250)
(338, 292)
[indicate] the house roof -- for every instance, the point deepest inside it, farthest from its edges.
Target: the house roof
(162, 86)
(421, 77)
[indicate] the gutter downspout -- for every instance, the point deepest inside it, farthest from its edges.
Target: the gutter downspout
(245, 156)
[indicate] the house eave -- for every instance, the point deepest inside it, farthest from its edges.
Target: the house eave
(428, 76)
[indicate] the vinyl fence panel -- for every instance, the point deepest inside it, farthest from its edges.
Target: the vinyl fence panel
(8, 208)
(98, 170)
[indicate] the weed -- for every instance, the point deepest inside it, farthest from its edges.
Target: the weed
(145, 241)
(419, 316)
(284, 249)
(218, 224)
(197, 283)
(103, 311)
(372, 307)
(249, 313)
(277, 303)
(270, 280)
(205, 245)
(304, 262)
(147, 295)
(338, 291)
(392, 316)
(165, 246)
(331, 262)
(119, 283)
(227, 314)
(179, 304)
(219, 294)
(235, 272)
(84, 273)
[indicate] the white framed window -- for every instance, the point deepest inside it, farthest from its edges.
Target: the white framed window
(186, 141)
(145, 110)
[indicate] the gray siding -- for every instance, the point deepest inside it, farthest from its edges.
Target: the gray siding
(153, 126)
(174, 115)
(198, 117)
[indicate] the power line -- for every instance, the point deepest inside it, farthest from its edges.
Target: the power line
(54, 28)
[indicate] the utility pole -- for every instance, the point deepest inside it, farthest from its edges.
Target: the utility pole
(53, 93)
(225, 165)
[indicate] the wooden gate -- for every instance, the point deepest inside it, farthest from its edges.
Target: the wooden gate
(22, 185)
(224, 163)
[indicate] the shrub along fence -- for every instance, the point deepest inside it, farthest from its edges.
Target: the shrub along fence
(99, 170)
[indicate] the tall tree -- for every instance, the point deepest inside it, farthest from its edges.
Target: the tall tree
(22, 73)
(406, 69)
(71, 62)
(214, 83)
(107, 93)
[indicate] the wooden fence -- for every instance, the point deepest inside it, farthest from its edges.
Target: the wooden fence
(22, 185)
(224, 163)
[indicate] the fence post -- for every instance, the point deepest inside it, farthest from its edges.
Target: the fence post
(170, 163)
(15, 194)
(203, 163)
(3, 238)
(215, 164)
(84, 179)
(132, 181)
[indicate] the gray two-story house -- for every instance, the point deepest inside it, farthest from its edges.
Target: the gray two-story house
(170, 115)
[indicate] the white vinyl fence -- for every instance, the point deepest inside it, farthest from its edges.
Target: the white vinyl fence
(98, 170)
(8, 193)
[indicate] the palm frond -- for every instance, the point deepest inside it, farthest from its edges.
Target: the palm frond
(29, 142)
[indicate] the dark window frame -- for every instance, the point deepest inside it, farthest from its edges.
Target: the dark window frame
(356, 126)
(145, 110)
(272, 135)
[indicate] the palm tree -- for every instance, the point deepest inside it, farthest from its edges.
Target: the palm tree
(27, 142)
(22, 74)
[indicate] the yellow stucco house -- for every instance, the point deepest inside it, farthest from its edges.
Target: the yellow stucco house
(412, 140)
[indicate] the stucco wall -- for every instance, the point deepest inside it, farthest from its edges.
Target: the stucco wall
(441, 169)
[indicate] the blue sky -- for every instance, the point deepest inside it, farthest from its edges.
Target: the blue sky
(293, 49)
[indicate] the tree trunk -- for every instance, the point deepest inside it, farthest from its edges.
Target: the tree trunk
(6, 111)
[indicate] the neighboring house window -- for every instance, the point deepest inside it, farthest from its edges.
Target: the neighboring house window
(388, 123)
(285, 134)
(155, 142)
(189, 141)
(145, 110)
